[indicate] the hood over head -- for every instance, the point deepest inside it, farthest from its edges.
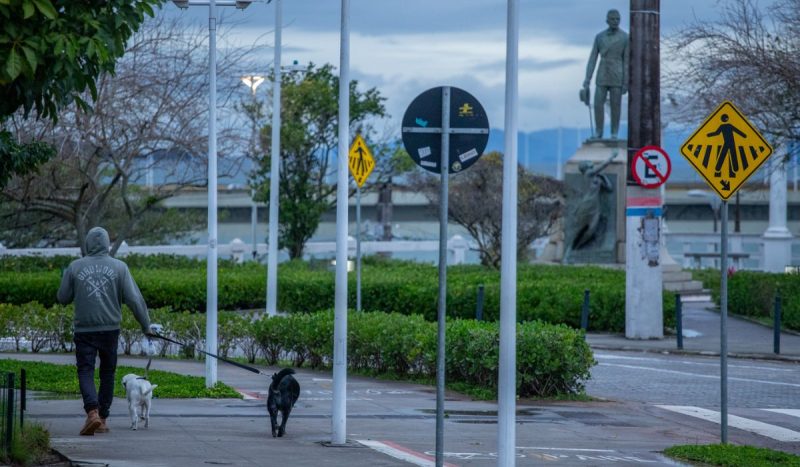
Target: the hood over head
(97, 242)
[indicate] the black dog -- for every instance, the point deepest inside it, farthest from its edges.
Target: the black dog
(283, 393)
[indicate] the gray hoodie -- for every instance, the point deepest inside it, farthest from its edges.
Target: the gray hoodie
(100, 284)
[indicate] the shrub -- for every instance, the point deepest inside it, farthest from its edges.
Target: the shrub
(550, 359)
(548, 293)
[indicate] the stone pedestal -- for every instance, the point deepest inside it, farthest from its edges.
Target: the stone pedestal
(609, 244)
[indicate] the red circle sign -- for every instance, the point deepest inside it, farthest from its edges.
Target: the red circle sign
(651, 167)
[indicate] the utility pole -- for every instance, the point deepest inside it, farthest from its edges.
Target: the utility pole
(643, 279)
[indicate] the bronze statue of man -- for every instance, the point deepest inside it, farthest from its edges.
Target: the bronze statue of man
(612, 74)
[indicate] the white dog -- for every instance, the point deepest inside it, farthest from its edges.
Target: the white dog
(140, 394)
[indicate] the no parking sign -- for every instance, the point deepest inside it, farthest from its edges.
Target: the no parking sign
(651, 167)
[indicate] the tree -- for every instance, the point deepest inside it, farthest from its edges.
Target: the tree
(51, 52)
(309, 138)
(151, 117)
(746, 56)
(476, 203)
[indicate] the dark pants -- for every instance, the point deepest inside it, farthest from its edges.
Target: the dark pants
(88, 346)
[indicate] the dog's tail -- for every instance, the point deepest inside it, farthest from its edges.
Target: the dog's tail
(277, 377)
(150, 389)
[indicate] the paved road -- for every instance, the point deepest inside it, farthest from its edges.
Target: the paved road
(763, 407)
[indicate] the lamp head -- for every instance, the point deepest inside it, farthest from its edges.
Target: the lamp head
(242, 4)
(182, 4)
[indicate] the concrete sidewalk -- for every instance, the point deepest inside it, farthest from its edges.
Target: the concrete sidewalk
(701, 335)
(236, 432)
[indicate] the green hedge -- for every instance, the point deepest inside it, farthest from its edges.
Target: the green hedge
(752, 293)
(551, 359)
(548, 293)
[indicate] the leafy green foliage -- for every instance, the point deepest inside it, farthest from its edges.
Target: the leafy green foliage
(551, 359)
(548, 293)
(20, 159)
(752, 293)
(309, 136)
(730, 455)
(52, 51)
(63, 379)
(29, 446)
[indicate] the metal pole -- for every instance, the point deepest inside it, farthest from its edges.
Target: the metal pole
(10, 410)
(358, 248)
(585, 311)
(444, 168)
(253, 223)
(679, 319)
(211, 261)
(479, 304)
(274, 169)
(507, 377)
(23, 396)
(723, 300)
(339, 418)
(776, 340)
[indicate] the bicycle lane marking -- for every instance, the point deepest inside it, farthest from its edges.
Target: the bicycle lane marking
(401, 452)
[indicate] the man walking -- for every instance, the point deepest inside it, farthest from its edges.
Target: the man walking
(99, 285)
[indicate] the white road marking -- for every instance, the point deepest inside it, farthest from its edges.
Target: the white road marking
(539, 448)
(700, 375)
(792, 412)
(400, 452)
(248, 395)
(753, 426)
(602, 356)
(327, 380)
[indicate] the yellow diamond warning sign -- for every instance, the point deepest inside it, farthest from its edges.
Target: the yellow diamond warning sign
(726, 149)
(360, 161)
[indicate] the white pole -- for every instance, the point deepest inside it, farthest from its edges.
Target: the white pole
(253, 223)
(211, 260)
(507, 384)
(339, 417)
(274, 170)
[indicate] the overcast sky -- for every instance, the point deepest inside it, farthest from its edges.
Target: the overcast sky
(404, 47)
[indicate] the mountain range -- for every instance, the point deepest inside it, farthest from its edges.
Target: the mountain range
(539, 150)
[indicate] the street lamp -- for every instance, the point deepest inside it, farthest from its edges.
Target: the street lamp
(274, 170)
(713, 201)
(253, 81)
(211, 259)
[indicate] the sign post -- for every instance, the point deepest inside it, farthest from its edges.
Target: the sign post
(448, 122)
(739, 150)
(361, 164)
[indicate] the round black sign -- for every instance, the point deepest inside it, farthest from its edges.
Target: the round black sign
(422, 130)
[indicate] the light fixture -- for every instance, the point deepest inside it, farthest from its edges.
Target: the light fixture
(252, 81)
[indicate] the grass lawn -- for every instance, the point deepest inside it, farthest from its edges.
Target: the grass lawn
(62, 379)
(730, 455)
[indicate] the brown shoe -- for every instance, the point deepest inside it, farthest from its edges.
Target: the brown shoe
(93, 422)
(103, 428)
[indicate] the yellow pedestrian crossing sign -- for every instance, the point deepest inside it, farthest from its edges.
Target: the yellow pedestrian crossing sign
(726, 149)
(360, 161)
